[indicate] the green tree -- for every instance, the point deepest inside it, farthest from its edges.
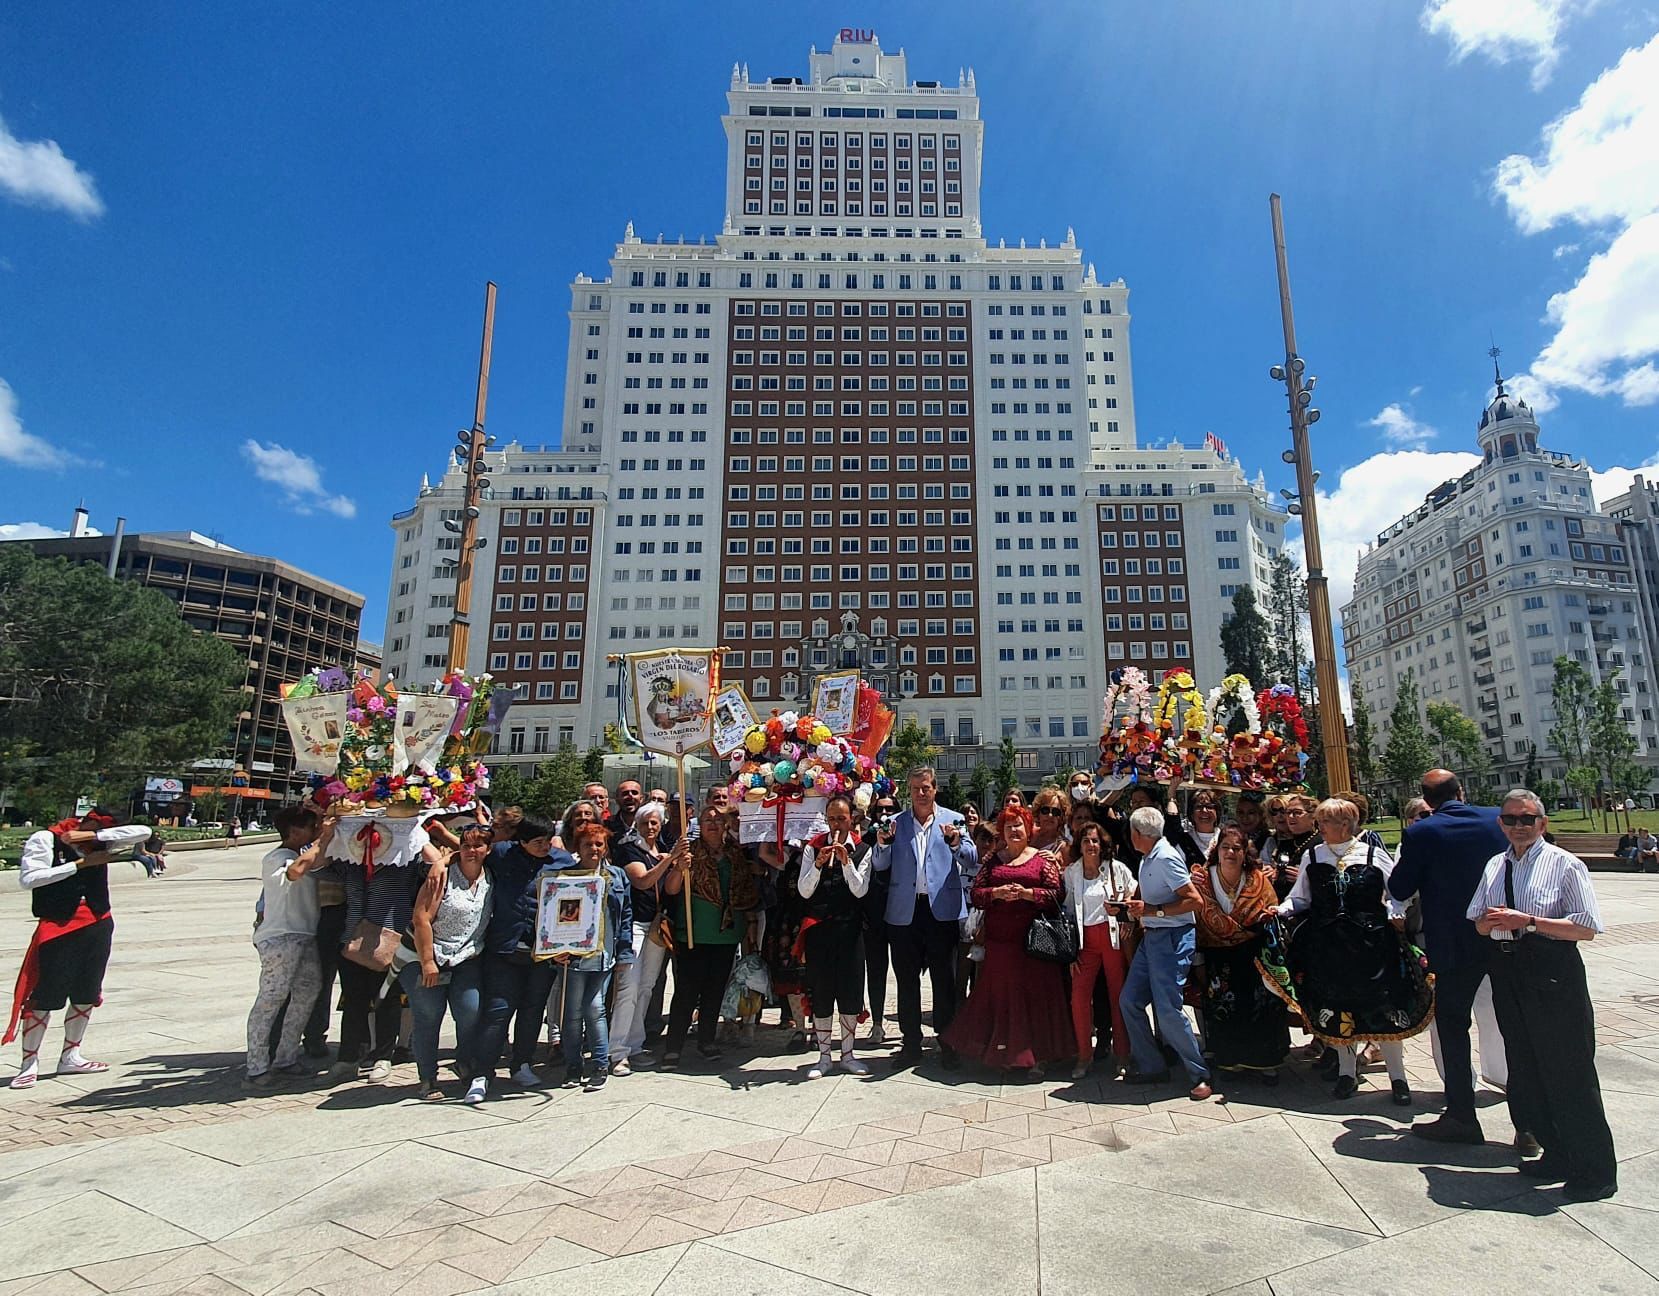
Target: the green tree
(1549, 792)
(979, 785)
(557, 782)
(1612, 745)
(1582, 779)
(507, 786)
(593, 764)
(102, 681)
(1572, 694)
(1364, 757)
(1245, 642)
(1456, 738)
(1287, 604)
(1408, 754)
(1006, 775)
(907, 749)
(1530, 777)
(951, 793)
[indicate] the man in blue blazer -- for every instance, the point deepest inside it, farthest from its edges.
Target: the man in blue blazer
(929, 861)
(1442, 858)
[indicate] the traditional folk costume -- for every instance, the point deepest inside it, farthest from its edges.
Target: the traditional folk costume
(832, 939)
(1244, 1021)
(1354, 977)
(70, 949)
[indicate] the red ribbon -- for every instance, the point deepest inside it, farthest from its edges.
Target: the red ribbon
(782, 801)
(370, 836)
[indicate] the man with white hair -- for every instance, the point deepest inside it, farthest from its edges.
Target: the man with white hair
(1158, 976)
(1535, 904)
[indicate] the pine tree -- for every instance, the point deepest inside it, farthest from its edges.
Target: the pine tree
(1408, 755)
(1246, 644)
(1364, 758)
(1006, 776)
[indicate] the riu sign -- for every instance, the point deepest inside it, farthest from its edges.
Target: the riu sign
(856, 35)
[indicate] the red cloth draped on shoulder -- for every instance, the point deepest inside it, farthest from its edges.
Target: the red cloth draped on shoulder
(1256, 898)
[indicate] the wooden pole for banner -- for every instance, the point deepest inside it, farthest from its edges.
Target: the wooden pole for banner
(685, 827)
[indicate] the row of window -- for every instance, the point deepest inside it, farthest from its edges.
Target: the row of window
(752, 207)
(554, 574)
(542, 517)
(855, 139)
(1137, 650)
(852, 518)
(532, 602)
(853, 435)
(533, 544)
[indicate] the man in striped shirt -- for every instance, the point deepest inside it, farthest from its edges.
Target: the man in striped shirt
(1535, 904)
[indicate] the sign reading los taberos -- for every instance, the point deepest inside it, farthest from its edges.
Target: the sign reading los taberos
(671, 699)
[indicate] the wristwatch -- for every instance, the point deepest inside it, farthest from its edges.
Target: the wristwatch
(1158, 913)
(1532, 924)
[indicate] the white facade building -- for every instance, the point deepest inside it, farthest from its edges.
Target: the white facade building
(851, 430)
(1475, 593)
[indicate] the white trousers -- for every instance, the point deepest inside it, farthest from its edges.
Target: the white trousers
(633, 984)
(1493, 1066)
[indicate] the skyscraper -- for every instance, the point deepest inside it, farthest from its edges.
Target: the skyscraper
(848, 431)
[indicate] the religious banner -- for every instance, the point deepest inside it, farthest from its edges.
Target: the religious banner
(423, 726)
(733, 718)
(317, 727)
(671, 699)
(570, 914)
(835, 701)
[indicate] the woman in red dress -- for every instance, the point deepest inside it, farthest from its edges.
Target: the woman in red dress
(1016, 1017)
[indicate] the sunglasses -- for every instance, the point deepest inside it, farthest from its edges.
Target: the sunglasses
(1518, 821)
(1050, 812)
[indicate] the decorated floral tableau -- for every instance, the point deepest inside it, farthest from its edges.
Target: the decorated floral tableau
(793, 758)
(1281, 713)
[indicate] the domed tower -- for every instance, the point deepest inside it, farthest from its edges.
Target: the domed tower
(1507, 426)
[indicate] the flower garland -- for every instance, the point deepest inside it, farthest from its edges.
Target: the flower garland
(1281, 713)
(1233, 696)
(795, 753)
(1179, 700)
(1130, 688)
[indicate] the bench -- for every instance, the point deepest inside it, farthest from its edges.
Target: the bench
(1599, 851)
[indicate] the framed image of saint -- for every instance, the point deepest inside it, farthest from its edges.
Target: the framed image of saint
(570, 914)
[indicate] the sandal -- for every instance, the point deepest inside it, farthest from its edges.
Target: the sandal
(82, 1066)
(431, 1093)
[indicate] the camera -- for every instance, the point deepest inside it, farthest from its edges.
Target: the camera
(884, 823)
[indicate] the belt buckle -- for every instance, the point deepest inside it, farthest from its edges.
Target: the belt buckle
(1509, 946)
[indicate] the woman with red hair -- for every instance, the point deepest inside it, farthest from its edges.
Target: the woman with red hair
(1016, 1017)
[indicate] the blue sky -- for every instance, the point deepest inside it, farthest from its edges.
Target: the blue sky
(242, 250)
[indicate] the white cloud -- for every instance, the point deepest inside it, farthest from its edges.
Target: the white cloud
(1371, 496)
(298, 476)
(1616, 480)
(1400, 429)
(37, 531)
(37, 173)
(23, 449)
(1598, 170)
(1505, 30)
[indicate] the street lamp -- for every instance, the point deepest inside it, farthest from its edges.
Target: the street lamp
(1333, 727)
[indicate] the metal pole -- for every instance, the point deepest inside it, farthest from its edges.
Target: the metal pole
(115, 546)
(1333, 728)
(460, 625)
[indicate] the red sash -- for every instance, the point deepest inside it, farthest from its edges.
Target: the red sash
(28, 976)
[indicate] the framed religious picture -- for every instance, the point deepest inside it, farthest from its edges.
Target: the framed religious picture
(570, 914)
(671, 699)
(733, 717)
(835, 700)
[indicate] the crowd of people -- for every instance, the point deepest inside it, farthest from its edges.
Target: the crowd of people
(1114, 935)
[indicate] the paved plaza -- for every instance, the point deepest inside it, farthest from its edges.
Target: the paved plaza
(163, 1177)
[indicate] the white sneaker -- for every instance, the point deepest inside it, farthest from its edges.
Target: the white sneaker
(380, 1072)
(877, 1034)
(621, 1068)
(852, 1066)
(476, 1090)
(526, 1077)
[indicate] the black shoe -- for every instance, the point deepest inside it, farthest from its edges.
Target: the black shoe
(595, 1083)
(710, 1052)
(1447, 1130)
(1269, 1078)
(1402, 1093)
(1329, 1064)
(1580, 1191)
(908, 1056)
(949, 1059)
(1548, 1168)
(316, 1048)
(573, 1079)
(669, 1062)
(1146, 1077)
(1346, 1086)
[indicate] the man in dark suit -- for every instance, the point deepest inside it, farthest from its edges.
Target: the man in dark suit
(1442, 859)
(928, 861)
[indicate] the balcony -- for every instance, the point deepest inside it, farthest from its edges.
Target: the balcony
(1605, 636)
(1480, 654)
(1485, 679)
(1476, 627)
(966, 740)
(1488, 704)
(1598, 609)
(1491, 731)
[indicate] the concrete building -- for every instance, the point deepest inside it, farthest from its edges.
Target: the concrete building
(849, 429)
(283, 620)
(1478, 590)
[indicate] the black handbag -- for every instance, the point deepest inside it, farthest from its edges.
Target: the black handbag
(1053, 937)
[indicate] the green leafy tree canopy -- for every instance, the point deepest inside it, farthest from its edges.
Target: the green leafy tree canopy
(1246, 642)
(1408, 754)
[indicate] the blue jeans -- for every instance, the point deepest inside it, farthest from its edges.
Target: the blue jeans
(515, 993)
(460, 994)
(585, 1006)
(1156, 979)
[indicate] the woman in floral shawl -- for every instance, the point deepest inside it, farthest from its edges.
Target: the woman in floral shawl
(725, 910)
(1244, 1022)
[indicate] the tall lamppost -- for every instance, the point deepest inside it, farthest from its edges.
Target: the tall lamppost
(470, 452)
(1333, 727)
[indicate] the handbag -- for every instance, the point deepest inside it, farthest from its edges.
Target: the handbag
(371, 946)
(662, 929)
(1052, 938)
